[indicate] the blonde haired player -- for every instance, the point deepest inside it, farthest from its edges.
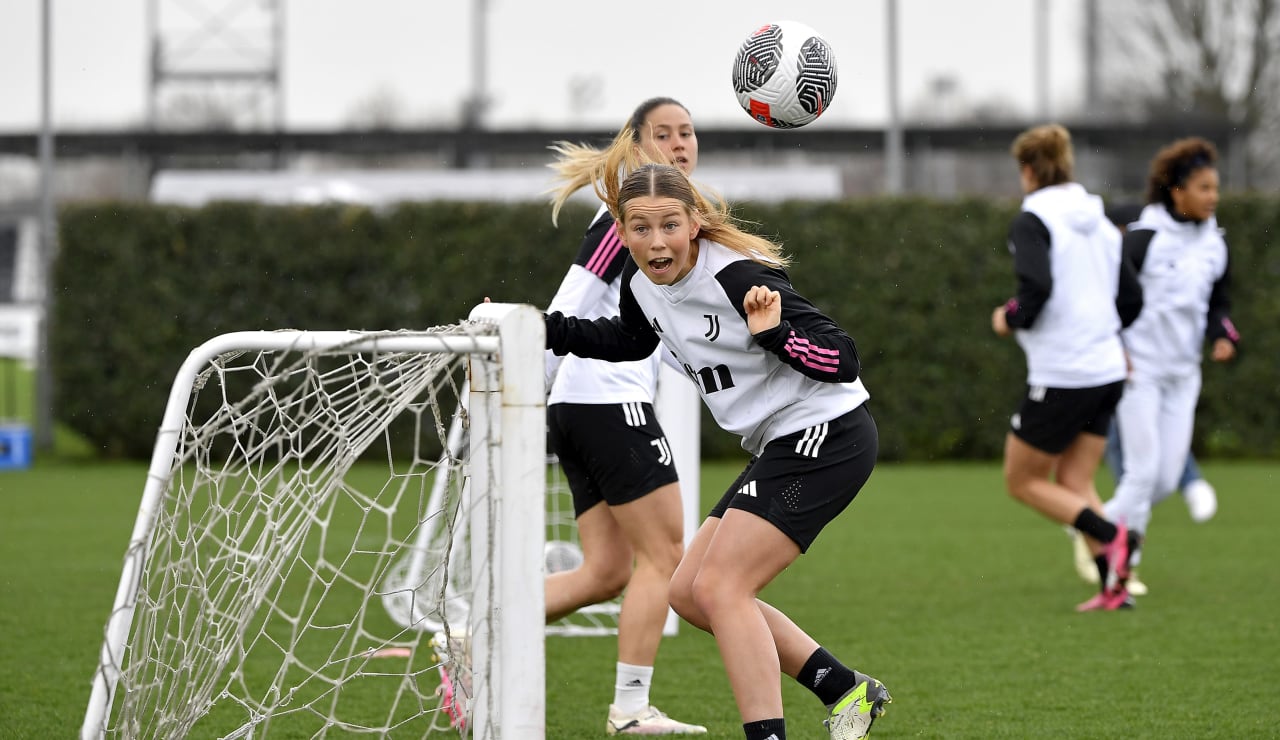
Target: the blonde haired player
(772, 368)
(613, 451)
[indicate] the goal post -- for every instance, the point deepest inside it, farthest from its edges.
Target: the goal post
(510, 651)
(291, 471)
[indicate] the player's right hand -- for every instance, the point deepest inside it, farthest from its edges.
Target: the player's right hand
(763, 307)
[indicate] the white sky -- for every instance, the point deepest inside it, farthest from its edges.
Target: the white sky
(340, 54)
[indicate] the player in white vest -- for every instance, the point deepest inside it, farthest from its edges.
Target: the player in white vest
(1182, 261)
(1074, 295)
(614, 454)
(1197, 493)
(771, 368)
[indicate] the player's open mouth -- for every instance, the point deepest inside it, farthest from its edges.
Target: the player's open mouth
(660, 265)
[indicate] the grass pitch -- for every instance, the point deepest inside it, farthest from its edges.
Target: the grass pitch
(934, 581)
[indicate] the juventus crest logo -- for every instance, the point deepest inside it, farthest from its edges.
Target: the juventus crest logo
(713, 327)
(664, 450)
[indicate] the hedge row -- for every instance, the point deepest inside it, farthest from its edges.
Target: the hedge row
(914, 281)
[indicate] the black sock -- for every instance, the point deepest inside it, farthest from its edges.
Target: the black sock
(1095, 526)
(826, 677)
(1101, 562)
(766, 729)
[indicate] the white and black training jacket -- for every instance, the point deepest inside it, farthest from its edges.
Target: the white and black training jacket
(806, 374)
(1185, 270)
(1075, 292)
(590, 289)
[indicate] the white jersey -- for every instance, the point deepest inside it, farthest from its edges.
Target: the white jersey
(801, 373)
(590, 290)
(1183, 263)
(1074, 341)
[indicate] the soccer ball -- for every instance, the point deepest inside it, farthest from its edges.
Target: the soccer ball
(559, 555)
(784, 75)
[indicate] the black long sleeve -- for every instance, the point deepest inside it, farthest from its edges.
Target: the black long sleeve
(1129, 292)
(1219, 325)
(805, 339)
(621, 338)
(1029, 242)
(1136, 243)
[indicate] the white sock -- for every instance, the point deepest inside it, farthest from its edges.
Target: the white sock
(631, 688)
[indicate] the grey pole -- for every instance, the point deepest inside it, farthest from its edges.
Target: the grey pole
(474, 104)
(1092, 48)
(1041, 55)
(153, 63)
(893, 132)
(479, 63)
(277, 53)
(48, 239)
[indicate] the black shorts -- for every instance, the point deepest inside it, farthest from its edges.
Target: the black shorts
(1050, 419)
(802, 481)
(614, 453)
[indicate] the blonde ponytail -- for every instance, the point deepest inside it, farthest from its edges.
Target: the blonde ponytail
(624, 171)
(579, 165)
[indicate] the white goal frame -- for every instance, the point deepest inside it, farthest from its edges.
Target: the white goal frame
(507, 408)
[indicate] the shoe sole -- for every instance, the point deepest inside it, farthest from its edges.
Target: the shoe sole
(638, 727)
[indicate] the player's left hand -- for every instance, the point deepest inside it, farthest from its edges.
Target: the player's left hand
(1000, 322)
(1223, 350)
(763, 307)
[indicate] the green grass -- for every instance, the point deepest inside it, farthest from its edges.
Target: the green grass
(17, 390)
(933, 580)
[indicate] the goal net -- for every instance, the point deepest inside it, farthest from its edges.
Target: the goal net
(293, 474)
(677, 405)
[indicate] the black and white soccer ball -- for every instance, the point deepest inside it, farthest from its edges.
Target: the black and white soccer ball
(785, 75)
(561, 555)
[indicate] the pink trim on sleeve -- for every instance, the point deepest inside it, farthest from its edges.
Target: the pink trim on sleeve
(605, 252)
(1232, 334)
(811, 355)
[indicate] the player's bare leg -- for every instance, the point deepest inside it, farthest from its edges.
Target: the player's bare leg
(1028, 478)
(1028, 472)
(1077, 468)
(633, 546)
(605, 569)
(654, 526)
(793, 644)
(744, 555)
